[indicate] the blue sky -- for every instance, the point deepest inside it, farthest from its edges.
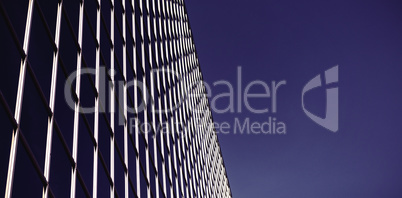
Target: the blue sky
(295, 41)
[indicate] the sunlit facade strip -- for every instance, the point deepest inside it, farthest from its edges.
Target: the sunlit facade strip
(152, 136)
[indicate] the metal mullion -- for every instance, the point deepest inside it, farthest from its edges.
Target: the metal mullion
(175, 36)
(197, 165)
(208, 167)
(167, 137)
(52, 99)
(96, 113)
(169, 159)
(125, 99)
(183, 111)
(171, 32)
(180, 154)
(170, 137)
(168, 47)
(184, 52)
(173, 157)
(142, 38)
(112, 97)
(193, 156)
(162, 33)
(166, 25)
(185, 84)
(176, 94)
(179, 53)
(191, 163)
(160, 99)
(18, 106)
(202, 156)
(179, 150)
(162, 139)
(189, 32)
(175, 152)
(172, 42)
(152, 75)
(193, 159)
(77, 103)
(136, 144)
(186, 162)
(165, 55)
(142, 21)
(205, 169)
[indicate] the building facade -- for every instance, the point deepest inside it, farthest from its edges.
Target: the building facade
(108, 101)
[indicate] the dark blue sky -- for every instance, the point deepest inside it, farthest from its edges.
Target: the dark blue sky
(295, 41)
